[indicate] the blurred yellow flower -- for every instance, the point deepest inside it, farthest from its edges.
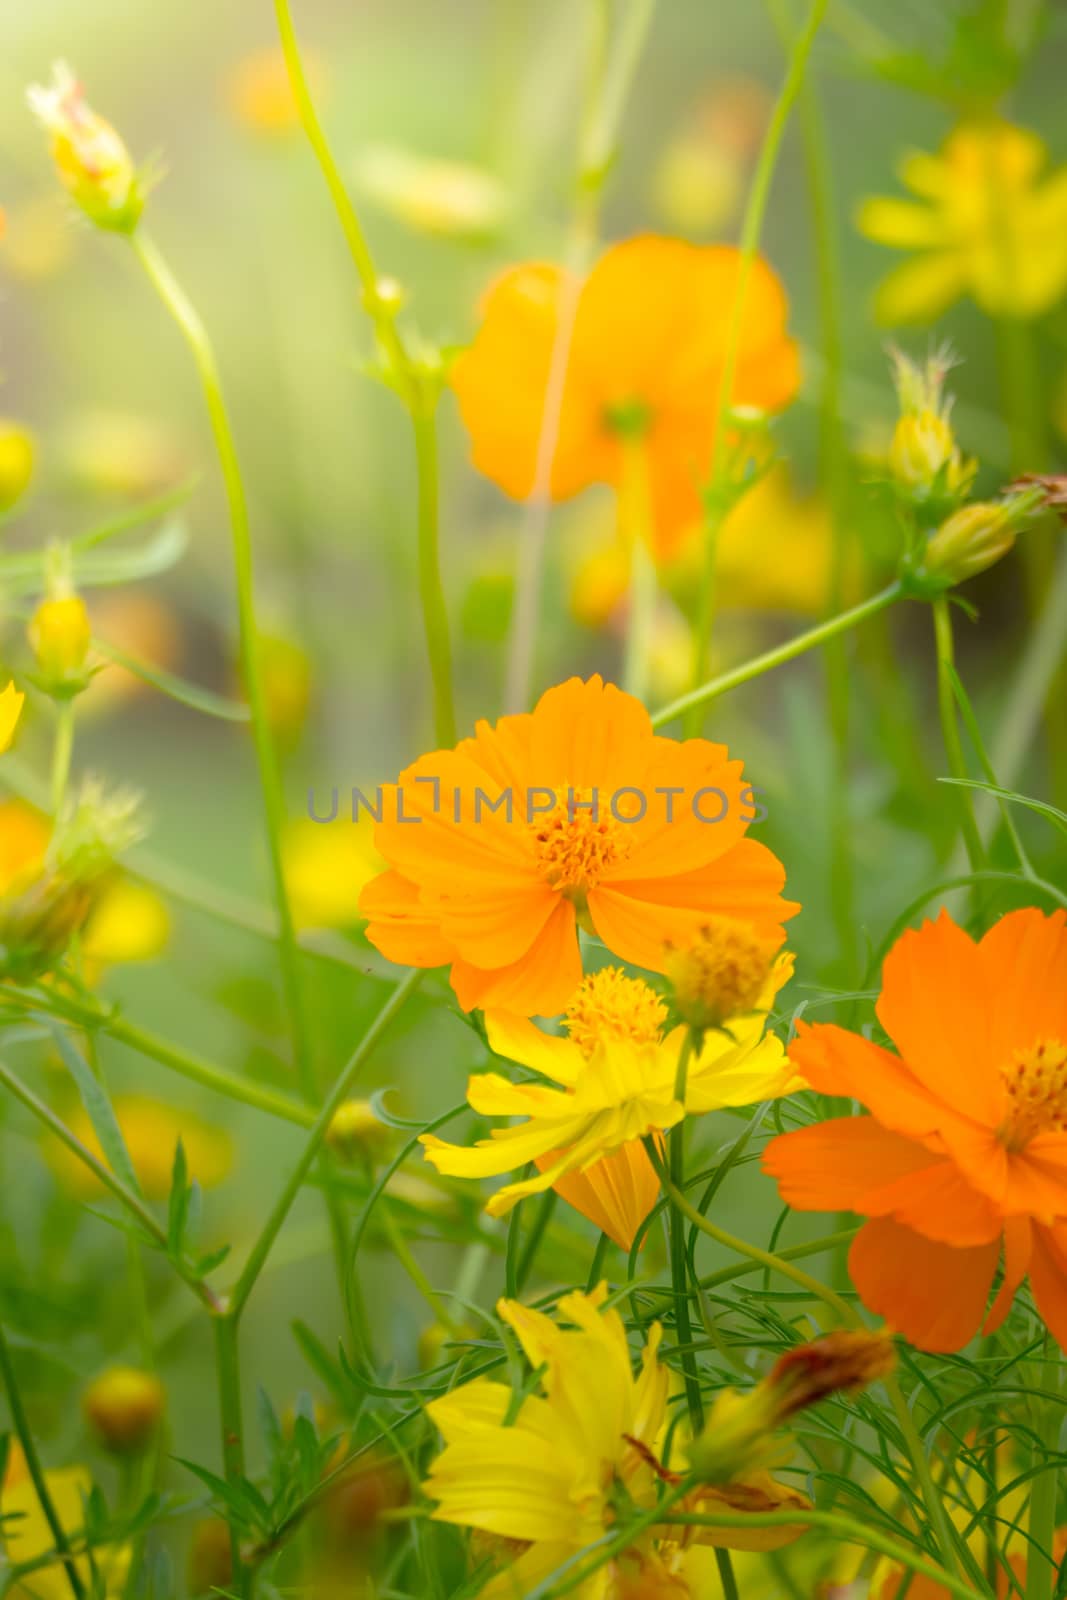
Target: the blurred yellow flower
(151, 1131)
(128, 922)
(38, 240)
(124, 1407)
(17, 452)
(541, 1474)
(258, 93)
(327, 866)
(122, 453)
(988, 221)
(610, 1083)
(27, 1537)
(24, 836)
(450, 199)
(11, 702)
(91, 160)
(60, 634)
(287, 684)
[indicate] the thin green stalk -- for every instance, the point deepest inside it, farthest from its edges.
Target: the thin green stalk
(950, 730)
(1041, 1568)
(402, 1250)
(777, 657)
(635, 516)
(932, 1497)
(104, 1175)
(679, 1261)
(726, 1574)
(231, 1418)
(21, 1425)
(765, 1258)
(434, 611)
(751, 228)
(62, 754)
(273, 1225)
(192, 328)
(412, 384)
(608, 78)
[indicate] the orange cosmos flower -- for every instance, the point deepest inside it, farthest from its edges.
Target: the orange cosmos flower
(964, 1152)
(574, 813)
(645, 362)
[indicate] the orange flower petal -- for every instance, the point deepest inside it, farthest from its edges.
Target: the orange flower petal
(843, 1165)
(589, 734)
(1023, 958)
(932, 1293)
(540, 984)
(1048, 1279)
(399, 926)
(837, 1062)
(1018, 1249)
(936, 1006)
(616, 1193)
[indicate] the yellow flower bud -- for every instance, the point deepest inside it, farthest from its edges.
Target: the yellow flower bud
(923, 446)
(720, 975)
(740, 1435)
(11, 703)
(972, 539)
(355, 1133)
(60, 634)
(210, 1566)
(124, 1408)
(16, 463)
(93, 164)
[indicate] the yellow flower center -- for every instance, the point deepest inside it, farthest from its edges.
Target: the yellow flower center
(577, 841)
(721, 974)
(608, 1006)
(1036, 1081)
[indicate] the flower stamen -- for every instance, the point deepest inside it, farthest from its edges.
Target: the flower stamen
(1036, 1084)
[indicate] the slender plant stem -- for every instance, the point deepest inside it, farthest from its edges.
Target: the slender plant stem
(62, 753)
(192, 328)
(21, 1425)
(231, 1418)
(765, 1258)
(777, 657)
(751, 228)
(416, 388)
(679, 1262)
(933, 1499)
(104, 1175)
(950, 730)
(273, 1225)
(635, 514)
(608, 79)
(726, 1574)
(434, 611)
(1041, 1570)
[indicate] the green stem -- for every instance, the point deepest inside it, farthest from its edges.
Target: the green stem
(231, 1418)
(770, 659)
(273, 1225)
(726, 1574)
(431, 591)
(403, 366)
(608, 78)
(764, 1258)
(104, 1175)
(751, 228)
(1041, 1570)
(62, 753)
(679, 1263)
(950, 730)
(21, 1425)
(932, 1497)
(188, 321)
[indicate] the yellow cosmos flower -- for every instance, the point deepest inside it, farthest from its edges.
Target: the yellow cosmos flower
(10, 711)
(27, 1536)
(544, 1484)
(610, 1083)
(129, 922)
(447, 199)
(151, 1132)
(986, 220)
(327, 866)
